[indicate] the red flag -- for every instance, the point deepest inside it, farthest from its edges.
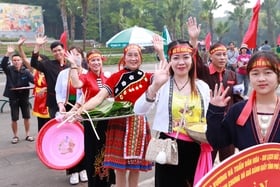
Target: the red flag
(250, 38)
(63, 39)
(207, 41)
(278, 40)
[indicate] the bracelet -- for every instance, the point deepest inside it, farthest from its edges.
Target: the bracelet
(74, 68)
(148, 99)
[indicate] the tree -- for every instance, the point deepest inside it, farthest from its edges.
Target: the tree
(221, 29)
(239, 15)
(84, 23)
(62, 5)
(73, 9)
(208, 7)
(271, 19)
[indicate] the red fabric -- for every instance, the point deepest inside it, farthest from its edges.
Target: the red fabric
(40, 108)
(72, 90)
(250, 37)
(207, 41)
(243, 117)
(278, 40)
(63, 39)
(90, 87)
(138, 87)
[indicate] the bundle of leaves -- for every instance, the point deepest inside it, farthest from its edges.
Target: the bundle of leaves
(111, 108)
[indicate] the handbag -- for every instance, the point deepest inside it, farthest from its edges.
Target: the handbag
(164, 151)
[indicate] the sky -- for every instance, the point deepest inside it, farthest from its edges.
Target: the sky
(226, 6)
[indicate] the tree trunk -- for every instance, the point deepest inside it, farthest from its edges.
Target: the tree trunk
(64, 15)
(73, 27)
(270, 27)
(241, 33)
(84, 24)
(211, 26)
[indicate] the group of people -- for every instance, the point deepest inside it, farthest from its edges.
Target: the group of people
(182, 82)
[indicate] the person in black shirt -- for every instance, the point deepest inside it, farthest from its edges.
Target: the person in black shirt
(17, 90)
(50, 68)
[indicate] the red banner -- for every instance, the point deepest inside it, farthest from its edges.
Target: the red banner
(278, 40)
(207, 41)
(250, 38)
(257, 166)
(63, 39)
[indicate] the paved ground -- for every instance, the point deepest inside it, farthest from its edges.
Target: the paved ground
(19, 164)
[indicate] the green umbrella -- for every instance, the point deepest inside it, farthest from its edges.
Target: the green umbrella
(133, 35)
(167, 38)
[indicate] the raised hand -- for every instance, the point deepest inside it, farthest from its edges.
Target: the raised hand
(218, 97)
(193, 30)
(73, 59)
(21, 41)
(157, 43)
(10, 50)
(40, 40)
(158, 46)
(161, 74)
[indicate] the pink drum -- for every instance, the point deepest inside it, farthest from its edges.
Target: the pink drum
(61, 147)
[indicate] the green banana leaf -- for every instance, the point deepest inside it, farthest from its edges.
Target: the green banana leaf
(111, 108)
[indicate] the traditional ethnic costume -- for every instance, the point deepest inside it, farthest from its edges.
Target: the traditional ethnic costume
(169, 107)
(224, 130)
(40, 108)
(127, 138)
(98, 175)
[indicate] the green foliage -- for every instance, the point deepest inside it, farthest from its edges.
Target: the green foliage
(117, 15)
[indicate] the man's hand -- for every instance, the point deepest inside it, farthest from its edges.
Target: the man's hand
(10, 50)
(21, 41)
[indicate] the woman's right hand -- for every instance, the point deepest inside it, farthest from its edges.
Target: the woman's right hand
(73, 59)
(161, 75)
(218, 97)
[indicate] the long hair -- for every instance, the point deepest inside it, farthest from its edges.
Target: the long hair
(195, 57)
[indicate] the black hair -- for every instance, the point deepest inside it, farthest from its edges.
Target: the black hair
(271, 57)
(55, 44)
(44, 57)
(195, 59)
(78, 49)
(16, 54)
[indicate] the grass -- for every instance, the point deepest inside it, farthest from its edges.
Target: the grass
(113, 54)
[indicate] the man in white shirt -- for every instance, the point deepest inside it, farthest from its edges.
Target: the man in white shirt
(232, 55)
